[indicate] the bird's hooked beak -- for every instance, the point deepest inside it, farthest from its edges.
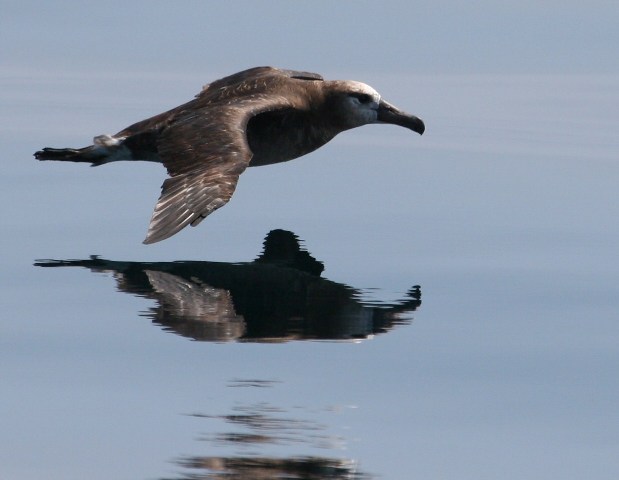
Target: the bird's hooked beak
(387, 113)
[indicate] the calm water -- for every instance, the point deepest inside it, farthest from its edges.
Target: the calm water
(189, 359)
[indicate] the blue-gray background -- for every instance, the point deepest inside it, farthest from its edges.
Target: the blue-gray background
(505, 212)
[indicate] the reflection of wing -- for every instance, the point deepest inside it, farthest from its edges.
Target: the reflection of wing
(278, 297)
(192, 303)
(205, 151)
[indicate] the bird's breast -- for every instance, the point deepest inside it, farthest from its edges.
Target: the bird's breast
(275, 137)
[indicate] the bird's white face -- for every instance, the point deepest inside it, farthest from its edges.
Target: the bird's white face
(362, 103)
(359, 103)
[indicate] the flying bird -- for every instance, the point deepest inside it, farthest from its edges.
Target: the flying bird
(259, 116)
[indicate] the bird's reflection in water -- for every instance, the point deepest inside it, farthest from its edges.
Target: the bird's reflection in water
(251, 428)
(279, 296)
(256, 468)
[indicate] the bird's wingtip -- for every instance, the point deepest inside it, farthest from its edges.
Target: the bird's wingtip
(149, 240)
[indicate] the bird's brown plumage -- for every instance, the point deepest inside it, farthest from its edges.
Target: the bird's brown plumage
(256, 117)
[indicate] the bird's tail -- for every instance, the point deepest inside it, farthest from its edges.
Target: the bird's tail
(104, 150)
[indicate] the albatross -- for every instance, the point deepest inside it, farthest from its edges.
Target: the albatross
(259, 116)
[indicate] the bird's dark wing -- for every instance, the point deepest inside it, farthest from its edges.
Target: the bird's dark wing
(254, 78)
(302, 75)
(247, 77)
(204, 151)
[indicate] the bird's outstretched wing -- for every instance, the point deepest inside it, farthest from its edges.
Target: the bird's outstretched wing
(204, 150)
(247, 77)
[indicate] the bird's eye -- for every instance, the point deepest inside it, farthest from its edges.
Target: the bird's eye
(362, 97)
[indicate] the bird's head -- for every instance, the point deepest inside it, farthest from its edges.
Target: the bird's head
(355, 104)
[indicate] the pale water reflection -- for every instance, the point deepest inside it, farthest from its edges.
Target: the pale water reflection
(279, 296)
(257, 468)
(249, 427)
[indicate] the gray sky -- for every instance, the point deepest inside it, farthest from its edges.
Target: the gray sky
(397, 36)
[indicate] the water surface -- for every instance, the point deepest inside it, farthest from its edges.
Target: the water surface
(504, 213)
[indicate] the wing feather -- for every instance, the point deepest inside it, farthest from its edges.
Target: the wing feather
(204, 151)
